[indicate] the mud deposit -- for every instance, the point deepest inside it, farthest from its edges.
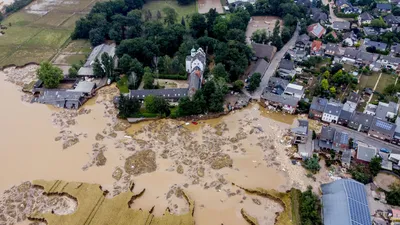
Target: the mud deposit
(164, 157)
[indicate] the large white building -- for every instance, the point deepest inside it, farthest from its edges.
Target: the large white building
(195, 64)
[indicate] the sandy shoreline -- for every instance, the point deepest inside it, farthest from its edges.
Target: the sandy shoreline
(91, 145)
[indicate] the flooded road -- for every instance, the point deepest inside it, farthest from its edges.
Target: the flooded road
(207, 160)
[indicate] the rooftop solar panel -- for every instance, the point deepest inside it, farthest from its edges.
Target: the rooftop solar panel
(384, 125)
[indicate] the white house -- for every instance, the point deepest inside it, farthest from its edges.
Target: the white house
(389, 61)
(195, 59)
(332, 112)
(294, 90)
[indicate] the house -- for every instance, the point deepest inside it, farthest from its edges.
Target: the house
(316, 30)
(350, 38)
(365, 18)
(294, 90)
(346, 158)
(87, 69)
(384, 7)
(350, 55)
(366, 58)
(353, 97)
(345, 202)
(261, 67)
(332, 112)
(264, 51)
(389, 62)
(396, 136)
(62, 98)
(370, 109)
(386, 110)
(195, 65)
(285, 103)
(277, 85)
(286, 69)
(365, 152)
(340, 141)
(317, 15)
(346, 113)
(326, 137)
(332, 50)
(370, 31)
(300, 133)
(317, 107)
(316, 48)
(360, 122)
(382, 129)
(395, 49)
(341, 25)
(172, 95)
(300, 55)
(391, 20)
(342, 4)
(303, 41)
(378, 45)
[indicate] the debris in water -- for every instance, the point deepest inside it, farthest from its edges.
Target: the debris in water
(141, 162)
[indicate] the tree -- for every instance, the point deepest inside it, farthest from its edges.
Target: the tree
(393, 195)
(170, 15)
(219, 71)
(198, 25)
(124, 63)
(361, 173)
(127, 107)
(314, 135)
(324, 84)
(260, 36)
(375, 165)
(98, 70)
(378, 23)
(49, 74)
(255, 81)
(220, 29)
(238, 85)
(108, 65)
(156, 104)
(286, 35)
(312, 164)
(276, 38)
(73, 71)
(326, 75)
(183, 22)
(158, 15)
(310, 208)
(332, 90)
(148, 79)
(96, 36)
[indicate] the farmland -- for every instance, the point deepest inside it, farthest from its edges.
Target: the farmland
(40, 31)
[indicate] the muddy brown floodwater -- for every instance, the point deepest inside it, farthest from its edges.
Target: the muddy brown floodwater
(163, 156)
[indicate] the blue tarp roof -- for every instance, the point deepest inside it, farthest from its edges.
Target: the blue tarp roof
(345, 203)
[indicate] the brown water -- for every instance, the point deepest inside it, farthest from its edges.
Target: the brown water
(28, 151)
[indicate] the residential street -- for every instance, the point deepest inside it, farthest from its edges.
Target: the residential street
(332, 16)
(274, 65)
(359, 136)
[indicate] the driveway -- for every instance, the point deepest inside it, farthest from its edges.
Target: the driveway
(274, 65)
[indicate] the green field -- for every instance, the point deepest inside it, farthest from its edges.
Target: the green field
(34, 36)
(367, 81)
(385, 80)
(155, 5)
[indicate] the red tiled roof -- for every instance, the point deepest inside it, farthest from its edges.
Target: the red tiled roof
(316, 45)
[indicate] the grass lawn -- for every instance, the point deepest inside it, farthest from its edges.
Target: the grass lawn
(367, 81)
(53, 19)
(21, 18)
(23, 56)
(122, 85)
(385, 80)
(50, 38)
(155, 5)
(78, 46)
(75, 59)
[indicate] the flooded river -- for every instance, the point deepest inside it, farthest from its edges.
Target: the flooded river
(91, 145)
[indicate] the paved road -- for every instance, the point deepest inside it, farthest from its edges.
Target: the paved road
(332, 17)
(274, 64)
(359, 136)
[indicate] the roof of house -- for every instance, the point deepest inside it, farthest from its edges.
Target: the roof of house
(283, 99)
(370, 31)
(384, 108)
(316, 29)
(276, 81)
(341, 25)
(353, 97)
(260, 67)
(366, 16)
(316, 45)
(367, 57)
(327, 133)
(341, 138)
(318, 104)
(365, 152)
(390, 59)
(391, 19)
(383, 127)
(199, 55)
(98, 51)
(342, 2)
(345, 202)
(286, 64)
(302, 129)
(332, 49)
(84, 87)
(345, 115)
(346, 156)
(333, 108)
(262, 50)
(397, 130)
(351, 53)
(378, 45)
(303, 38)
(175, 93)
(318, 15)
(294, 88)
(396, 48)
(384, 6)
(362, 118)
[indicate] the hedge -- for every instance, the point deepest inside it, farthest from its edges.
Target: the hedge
(172, 76)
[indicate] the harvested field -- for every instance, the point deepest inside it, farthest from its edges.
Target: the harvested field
(40, 30)
(205, 5)
(260, 23)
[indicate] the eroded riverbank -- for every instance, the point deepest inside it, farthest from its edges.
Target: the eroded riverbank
(163, 156)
